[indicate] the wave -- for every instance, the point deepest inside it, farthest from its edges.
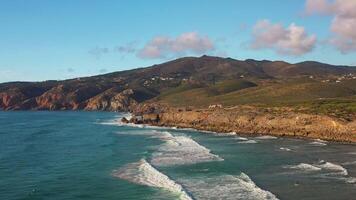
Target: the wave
(143, 173)
(325, 170)
(180, 150)
(333, 167)
(266, 137)
(240, 138)
(322, 165)
(285, 149)
(349, 163)
(318, 143)
(177, 150)
(304, 167)
(248, 142)
(224, 134)
(226, 187)
(320, 140)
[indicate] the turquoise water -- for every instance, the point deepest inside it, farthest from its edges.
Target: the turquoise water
(88, 155)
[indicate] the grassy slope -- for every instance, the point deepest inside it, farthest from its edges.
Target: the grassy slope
(336, 99)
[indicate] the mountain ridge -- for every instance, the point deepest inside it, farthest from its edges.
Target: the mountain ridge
(118, 91)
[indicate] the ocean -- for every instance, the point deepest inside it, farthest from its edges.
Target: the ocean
(91, 155)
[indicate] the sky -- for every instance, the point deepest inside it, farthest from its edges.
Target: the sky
(55, 40)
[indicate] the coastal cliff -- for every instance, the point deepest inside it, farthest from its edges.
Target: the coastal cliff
(253, 121)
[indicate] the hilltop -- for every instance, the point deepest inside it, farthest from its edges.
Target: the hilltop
(197, 82)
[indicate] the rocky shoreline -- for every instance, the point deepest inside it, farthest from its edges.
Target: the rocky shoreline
(247, 120)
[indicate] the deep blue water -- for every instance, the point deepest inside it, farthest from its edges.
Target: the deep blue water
(88, 155)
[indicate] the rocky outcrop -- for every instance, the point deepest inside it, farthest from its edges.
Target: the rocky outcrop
(71, 96)
(66, 97)
(254, 121)
(11, 99)
(112, 101)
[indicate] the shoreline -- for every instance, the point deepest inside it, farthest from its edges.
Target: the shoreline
(243, 134)
(225, 121)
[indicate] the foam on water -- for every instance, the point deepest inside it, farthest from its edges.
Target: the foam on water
(318, 143)
(320, 140)
(325, 170)
(225, 134)
(304, 167)
(333, 167)
(266, 137)
(145, 174)
(285, 149)
(180, 150)
(349, 163)
(248, 142)
(226, 187)
(240, 138)
(151, 133)
(177, 150)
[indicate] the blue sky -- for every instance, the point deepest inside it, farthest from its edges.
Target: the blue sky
(44, 39)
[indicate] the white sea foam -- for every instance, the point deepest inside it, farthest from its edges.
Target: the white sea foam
(145, 174)
(318, 143)
(266, 137)
(225, 134)
(335, 168)
(350, 180)
(226, 187)
(325, 170)
(150, 133)
(248, 142)
(322, 165)
(285, 149)
(304, 167)
(349, 163)
(320, 140)
(240, 138)
(179, 150)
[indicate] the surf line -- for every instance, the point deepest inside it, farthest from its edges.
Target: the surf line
(143, 173)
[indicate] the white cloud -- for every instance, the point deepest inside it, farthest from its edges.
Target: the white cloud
(343, 24)
(292, 40)
(163, 46)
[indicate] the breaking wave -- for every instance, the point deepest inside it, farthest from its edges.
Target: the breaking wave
(338, 169)
(226, 187)
(143, 173)
(319, 142)
(180, 150)
(177, 150)
(349, 163)
(304, 167)
(325, 170)
(285, 149)
(266, 137)
(240, 138)
(248, 142)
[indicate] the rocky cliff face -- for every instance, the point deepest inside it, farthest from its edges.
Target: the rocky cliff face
(67, 97)
(112, 101)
